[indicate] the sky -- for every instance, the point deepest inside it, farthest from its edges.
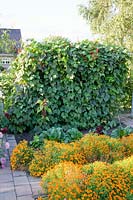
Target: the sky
(41, 18)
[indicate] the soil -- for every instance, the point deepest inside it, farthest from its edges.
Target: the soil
(124, 118)
(29, 137)
(24, 136)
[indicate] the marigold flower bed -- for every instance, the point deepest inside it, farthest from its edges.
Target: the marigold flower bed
(95, 167)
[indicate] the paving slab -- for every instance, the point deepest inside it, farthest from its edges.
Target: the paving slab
(35, 184)
(7, 170)
(8, 196)
(37, 191)
(29, 197)
(21, 180)
(11, 148)
(6, 178)
(8, 164)
(10, 137)
(18, 173)
(23, 190)
(126, 119)
(12, 142)
(36, 188)
(17, 185)
(7, 187)
(34, 179)
(10, 151)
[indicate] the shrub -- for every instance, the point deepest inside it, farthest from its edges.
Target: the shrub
(25, 112)
(89, 149)
(102, 148)
(70, 77)
(52, 153)
(129, 90)
(64, 181)
(98, 165)
(106, 182)
(127, 167)
(39, 164)
(128, 143)
(21, 156)
(4, 121)
(95, 181)
(126, 164)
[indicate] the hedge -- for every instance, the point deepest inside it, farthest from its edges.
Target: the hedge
(59, 83)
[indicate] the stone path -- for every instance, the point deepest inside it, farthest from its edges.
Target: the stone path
(126, 120)
(17, 185)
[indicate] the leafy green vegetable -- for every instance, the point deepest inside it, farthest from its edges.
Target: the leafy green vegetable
(120, 132)
(57, 134)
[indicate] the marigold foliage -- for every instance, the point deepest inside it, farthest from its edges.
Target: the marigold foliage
(105, 181)
(91, 168)
(126, 165)
(128, 142)
(89, 149)
(53, 153)
(21, 156)
(103, 148)
(63, 181)
(97, 181)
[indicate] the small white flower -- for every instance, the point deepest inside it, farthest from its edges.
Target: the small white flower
(7, 145)
(1, 94)
(1, 135)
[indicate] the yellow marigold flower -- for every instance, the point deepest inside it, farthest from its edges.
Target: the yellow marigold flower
(21, 156)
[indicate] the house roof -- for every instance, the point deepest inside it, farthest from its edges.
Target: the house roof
(14, 34)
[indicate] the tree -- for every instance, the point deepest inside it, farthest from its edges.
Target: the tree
(112, 20)
(6, 44)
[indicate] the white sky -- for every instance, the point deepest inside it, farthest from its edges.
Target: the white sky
(40, 18)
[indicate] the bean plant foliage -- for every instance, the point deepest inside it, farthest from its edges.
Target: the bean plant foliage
(58, 83)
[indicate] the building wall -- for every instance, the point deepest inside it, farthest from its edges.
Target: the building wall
(6, 60)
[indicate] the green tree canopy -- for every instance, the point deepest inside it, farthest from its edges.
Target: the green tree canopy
(6, 44)
(111, 19)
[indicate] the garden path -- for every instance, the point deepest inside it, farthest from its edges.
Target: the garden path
(17, 185)
(126, 120)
